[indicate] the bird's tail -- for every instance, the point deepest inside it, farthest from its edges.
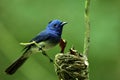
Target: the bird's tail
(17, 64)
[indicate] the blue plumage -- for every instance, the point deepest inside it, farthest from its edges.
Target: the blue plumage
(50, 36)
(46, 39)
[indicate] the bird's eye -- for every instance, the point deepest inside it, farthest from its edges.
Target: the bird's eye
(55, 25)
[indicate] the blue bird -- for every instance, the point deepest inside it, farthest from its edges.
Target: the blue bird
(45, 40)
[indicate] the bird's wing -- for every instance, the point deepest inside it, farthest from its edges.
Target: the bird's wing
(43, 36)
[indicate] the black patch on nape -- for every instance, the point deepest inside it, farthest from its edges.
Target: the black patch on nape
(50, 22)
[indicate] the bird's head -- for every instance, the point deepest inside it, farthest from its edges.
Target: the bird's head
(56, 25)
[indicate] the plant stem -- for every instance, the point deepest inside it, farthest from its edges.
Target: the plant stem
(87, 25)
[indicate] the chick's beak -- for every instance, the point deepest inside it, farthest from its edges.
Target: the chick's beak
(63, 23)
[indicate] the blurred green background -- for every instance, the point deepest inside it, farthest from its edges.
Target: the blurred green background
(21, 20)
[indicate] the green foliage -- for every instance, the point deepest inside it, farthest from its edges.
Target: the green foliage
(21, 20)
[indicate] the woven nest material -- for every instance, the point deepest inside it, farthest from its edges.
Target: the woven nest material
(71, 67)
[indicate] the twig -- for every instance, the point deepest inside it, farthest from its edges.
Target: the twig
(87, 25)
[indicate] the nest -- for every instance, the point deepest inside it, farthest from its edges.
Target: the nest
(71, 66)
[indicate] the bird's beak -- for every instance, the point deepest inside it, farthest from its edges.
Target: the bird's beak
(63, 23)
